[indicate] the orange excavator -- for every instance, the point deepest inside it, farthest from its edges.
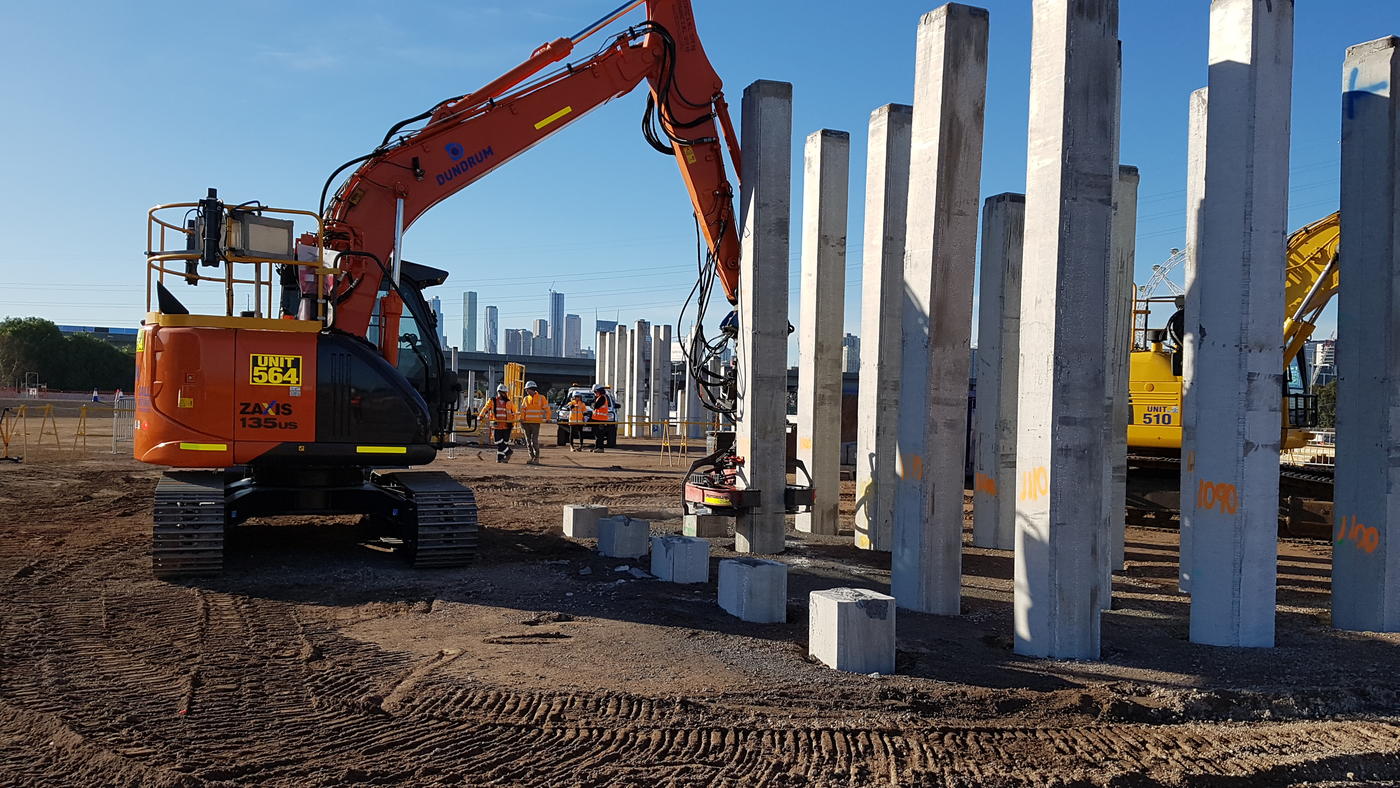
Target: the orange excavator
(317, 398)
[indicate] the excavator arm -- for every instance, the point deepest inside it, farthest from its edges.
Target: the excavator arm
(464, 138)
(1311, 280)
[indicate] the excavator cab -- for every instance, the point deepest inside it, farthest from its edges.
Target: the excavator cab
(418, 352)
(1300, 407)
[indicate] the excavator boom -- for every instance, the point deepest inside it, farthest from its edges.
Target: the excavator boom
(1311, 281)
(467, 137)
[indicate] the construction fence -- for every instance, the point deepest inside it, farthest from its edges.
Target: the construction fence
(675, 442)
(47, 429)
(54, 429)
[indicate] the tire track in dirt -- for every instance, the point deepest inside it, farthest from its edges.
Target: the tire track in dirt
(108, 677)
(256, 697)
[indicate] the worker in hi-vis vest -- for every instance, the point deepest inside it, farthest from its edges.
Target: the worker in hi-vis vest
(578, 414)
(499, 413)
(601, 415)
(534, 411)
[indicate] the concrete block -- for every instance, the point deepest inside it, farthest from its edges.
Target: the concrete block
(1238, 376)
(581, 522)
(754, 589)
(852, 629)
(680, 559)
(940, 253)
(623, 537)
(820, 323)
(882, 299)
(765, 196)
(1366, 544)
(1071, 168)
(706, 526)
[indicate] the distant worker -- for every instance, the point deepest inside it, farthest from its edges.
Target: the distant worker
(602, 414)
(534, 411)
(499, 412)
(95, 396)
(578, 414)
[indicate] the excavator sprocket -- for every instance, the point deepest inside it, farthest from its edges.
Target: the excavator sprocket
(188, 534)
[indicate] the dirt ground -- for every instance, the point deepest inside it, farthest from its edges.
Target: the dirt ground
(318, 659)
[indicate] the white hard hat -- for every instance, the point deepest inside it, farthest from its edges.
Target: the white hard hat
(501, 389)
(530, 384)
(598, 387)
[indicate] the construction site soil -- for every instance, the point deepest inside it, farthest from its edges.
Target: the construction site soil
(318, 658)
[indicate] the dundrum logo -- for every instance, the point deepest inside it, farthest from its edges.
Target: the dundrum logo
(464, 162)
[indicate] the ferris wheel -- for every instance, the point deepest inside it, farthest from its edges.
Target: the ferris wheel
(1159, 278)
(1159, 281)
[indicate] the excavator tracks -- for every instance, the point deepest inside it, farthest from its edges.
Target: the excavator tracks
(440, 524)
(188, 533)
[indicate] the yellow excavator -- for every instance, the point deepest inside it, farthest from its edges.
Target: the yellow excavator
(1154, 393)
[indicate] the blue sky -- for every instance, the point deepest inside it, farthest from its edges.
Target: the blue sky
(109, 108)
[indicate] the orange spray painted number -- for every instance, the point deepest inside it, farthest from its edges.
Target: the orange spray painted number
(984, 484)
(1035, 484)
(913, 469)
(1365, 537)
(1221, 496)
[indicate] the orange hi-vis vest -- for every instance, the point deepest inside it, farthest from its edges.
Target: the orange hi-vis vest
(578, 409)
(534, 409)
(602, 409)
(499, 413)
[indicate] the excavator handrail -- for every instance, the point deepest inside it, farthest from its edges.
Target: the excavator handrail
(157, 255)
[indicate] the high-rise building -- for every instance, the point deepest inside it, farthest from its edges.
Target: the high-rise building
(556, 323)
(542, 332)
(469, 321)
(441, 327)
(492, 317)
(607, 326)
(1324, 361)
(541, 346)
(850, 354)
(519, 342)
(573, 326)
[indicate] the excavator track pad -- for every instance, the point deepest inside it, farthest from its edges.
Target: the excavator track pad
(188, 534)
(440, 521)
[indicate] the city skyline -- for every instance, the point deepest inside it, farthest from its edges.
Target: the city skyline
(544, 338)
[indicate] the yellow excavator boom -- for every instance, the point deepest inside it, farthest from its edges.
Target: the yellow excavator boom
(1311, 280)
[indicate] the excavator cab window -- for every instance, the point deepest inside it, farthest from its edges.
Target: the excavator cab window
(420, 358)
(413, 362)
(1302, 406)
